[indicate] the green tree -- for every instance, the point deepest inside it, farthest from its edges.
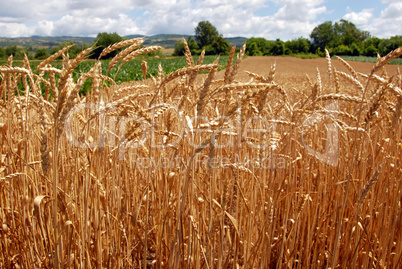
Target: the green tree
(102, 41)
(347, 33)
(205, 34)
(370, 51)
(11, 50)
(253, 49)
(342, 50)
(220, 46)
(2, 52)
(300, 45)
(356, 51)
(20, 53)
(278, 48)
(323, 35)
(41, 54)
(179, 47)
(263, 45)
(370, 46)
(388, 45)
(192, 45)
(331, 36)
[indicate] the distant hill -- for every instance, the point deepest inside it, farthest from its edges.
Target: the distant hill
(43, 41)
(165, 40)
(169, 40)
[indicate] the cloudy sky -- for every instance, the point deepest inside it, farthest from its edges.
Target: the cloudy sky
(284, 19)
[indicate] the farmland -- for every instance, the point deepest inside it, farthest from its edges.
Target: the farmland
(131, 71)
(292, 164)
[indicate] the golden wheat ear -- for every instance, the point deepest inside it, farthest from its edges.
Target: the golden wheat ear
(237, 64)
(348, 66)
(229, 64)
(134, 42)
(187, 54)
(386, 59)
(53, 57)
(125, 52)
(131, 56)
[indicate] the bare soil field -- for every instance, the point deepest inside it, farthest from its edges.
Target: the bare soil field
(295, 67)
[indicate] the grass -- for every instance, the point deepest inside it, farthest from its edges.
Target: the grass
(188, 170)
(366, 59)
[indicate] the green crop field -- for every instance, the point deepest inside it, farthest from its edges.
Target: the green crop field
(365, 59)
(130, 71)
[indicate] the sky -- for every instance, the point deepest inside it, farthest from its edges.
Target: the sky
(283, 19)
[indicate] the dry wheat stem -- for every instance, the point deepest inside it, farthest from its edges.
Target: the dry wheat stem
(397, 114)
(120, 205)
(359, 115)
(340, 97)
(69, 66)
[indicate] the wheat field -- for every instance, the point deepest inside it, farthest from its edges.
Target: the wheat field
(185, 170)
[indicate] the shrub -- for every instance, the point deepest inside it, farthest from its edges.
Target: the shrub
(41, 54)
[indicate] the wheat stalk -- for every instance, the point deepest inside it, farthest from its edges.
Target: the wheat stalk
(52, 57)
(187, 54)
(351, 79)
(203, 93)
(229, 64)
(124, 53)
(369, 184)
(237, 64)
(138, 52)
(350, 68)
(144, 67)
(134, 42)
(386, 59)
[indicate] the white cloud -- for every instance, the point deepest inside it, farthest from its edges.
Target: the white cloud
(89, 26)
(360, 18)
(390, 21)
(14, 29)
(295, 18)
(44, 28)
(386, 25)
(24, 11)
(301, 10)
(284, 19)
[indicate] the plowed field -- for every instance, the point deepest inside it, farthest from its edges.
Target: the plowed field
(291, 69)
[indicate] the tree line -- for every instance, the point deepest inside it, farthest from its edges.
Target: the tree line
(340, 38)
(40, 53)
(102, 41)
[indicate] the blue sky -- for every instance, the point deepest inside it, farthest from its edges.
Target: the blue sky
(284, 19)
